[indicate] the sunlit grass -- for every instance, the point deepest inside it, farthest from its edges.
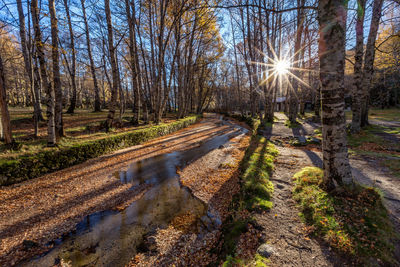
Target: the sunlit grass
(354, 221)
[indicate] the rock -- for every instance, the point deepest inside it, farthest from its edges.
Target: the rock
(266, 250)
(280, 186)
(302, 139)
(28, 244)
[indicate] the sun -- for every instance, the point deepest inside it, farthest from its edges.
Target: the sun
(282, 67)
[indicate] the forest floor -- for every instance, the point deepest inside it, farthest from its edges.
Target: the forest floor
(35, 212)
(282, 226)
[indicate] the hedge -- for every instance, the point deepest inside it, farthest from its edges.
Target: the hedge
(253, 123)
(31, 166)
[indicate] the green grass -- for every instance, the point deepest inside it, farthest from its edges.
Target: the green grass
(257, 188)
(369, 143)
(366, 135)
(354, 222)
(256, 193)
(392, 114)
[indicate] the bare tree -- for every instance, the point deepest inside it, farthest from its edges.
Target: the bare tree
(51, 135)
(72, 69)
(114, 67)
(58, 120)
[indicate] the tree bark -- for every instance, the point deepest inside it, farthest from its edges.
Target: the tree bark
(50, 101)
(294, 93)
(97, 103)
(72, 105)
(114, 68)
(133, 60)
(368, 70)
(5, 115)
(37, 113)
(357, 93)
(58, 120)
(332, 17)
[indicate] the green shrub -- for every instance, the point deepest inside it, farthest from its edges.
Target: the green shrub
(30, 166)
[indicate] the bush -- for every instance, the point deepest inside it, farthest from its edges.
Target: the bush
(252, 122)
(30, 166)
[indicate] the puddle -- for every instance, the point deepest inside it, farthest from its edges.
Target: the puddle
(111, 238)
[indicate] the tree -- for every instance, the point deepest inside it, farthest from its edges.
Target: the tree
(58, 120)
(5, 115)
(369, 58)
(358, 60)
(97, 104)
(50, 101)
(332, 17)
(34, 86)
(114, 67)
(72, 70)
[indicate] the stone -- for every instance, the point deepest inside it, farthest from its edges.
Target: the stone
(266, 250)
(302, 139)
(280, 186)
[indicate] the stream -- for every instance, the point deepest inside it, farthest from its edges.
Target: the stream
(112, 238)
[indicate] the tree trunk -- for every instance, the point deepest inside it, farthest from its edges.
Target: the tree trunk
(332, 17)
(369, 59)
(28, 69)
(58, 120)
(133, 60)
(114, 68)
(72, 106)
(51, 136)
(97, 103)
(357, 94)
(5, 115)
(293, 101)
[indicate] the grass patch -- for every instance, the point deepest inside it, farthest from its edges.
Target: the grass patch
(255, 195)
(257, 188)
(366, 135)
(354, 222)
(392, 114)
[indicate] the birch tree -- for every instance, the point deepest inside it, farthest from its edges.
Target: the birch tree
(332, 17)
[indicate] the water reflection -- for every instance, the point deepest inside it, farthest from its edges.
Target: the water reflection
(110, 237)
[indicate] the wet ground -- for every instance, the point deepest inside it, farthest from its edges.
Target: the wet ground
(113, 237)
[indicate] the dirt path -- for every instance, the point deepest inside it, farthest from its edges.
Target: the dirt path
(38, 211)
(283, 228)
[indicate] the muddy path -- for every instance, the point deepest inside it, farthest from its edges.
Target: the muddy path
(97, 213)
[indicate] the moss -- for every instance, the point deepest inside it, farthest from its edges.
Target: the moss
(256, 193)
(33, 165)
(354, 221)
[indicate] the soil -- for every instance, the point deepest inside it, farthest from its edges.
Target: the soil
(36, 212)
